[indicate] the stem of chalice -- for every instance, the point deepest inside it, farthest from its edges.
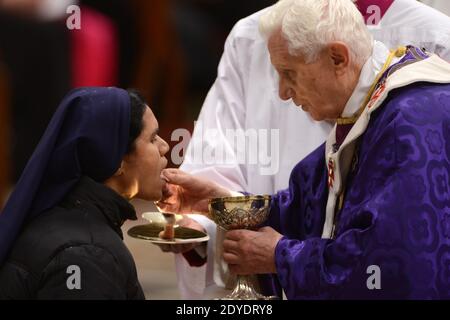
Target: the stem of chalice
(247, 212)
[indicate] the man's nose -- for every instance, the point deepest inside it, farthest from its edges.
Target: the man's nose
(284, 92)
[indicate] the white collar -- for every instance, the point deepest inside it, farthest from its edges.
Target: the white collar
(369, 72)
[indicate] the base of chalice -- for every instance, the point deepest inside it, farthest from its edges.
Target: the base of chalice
(244, 291)
(247, 212)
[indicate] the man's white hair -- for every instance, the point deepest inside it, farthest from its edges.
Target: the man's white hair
(309, 25)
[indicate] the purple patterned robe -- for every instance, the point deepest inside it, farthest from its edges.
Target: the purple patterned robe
(396, 212)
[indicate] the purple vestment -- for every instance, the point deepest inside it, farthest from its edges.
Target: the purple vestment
(395, 215)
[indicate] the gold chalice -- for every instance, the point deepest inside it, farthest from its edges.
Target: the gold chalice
(247, 212)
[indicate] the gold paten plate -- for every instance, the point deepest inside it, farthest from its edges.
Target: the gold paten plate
(183, 235)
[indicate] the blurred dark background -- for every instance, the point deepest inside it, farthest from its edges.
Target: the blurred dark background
(167, 49)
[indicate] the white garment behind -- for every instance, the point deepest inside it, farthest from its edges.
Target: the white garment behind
(245, 95)
(441, 5)
(411, 22)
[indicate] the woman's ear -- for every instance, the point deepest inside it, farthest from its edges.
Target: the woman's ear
(119, 182)
(120, 171)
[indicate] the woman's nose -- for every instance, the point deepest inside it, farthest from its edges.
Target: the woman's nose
(164, 148)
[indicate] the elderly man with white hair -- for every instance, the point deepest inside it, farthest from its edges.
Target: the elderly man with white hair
(245, 85)
(374, 198)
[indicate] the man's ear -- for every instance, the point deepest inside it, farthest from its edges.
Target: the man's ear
(339, 54)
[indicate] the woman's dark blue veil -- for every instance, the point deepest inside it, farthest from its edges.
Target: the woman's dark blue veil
(88, 135)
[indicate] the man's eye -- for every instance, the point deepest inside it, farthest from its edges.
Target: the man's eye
(288, 75)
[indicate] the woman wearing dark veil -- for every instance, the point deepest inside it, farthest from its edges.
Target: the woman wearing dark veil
(60, 235)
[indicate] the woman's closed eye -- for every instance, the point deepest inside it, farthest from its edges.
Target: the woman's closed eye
(154, 137)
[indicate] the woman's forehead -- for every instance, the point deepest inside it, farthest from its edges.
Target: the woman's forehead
(149, 120)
